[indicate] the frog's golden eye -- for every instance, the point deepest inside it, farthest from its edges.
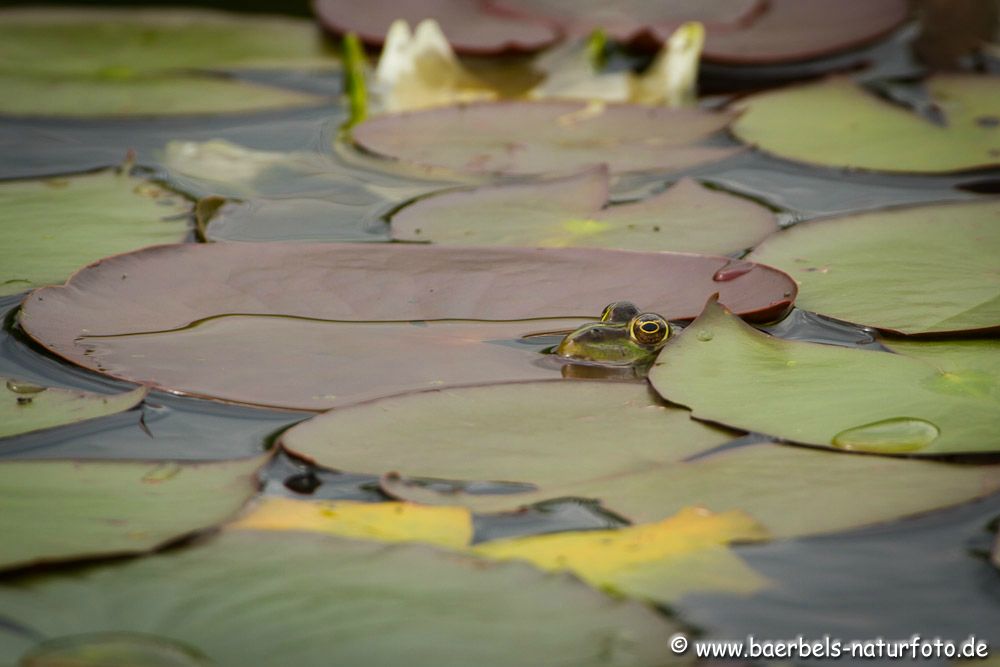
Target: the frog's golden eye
(649, 329)
(619, 311)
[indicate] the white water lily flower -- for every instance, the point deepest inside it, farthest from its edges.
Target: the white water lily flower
(671, 80)
(420, 70)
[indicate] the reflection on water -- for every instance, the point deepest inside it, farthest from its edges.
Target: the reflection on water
(807, 326)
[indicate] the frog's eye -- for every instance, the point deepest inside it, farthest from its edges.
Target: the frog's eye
(619, 311)
(649, 329)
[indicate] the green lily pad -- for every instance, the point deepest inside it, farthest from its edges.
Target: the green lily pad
(114, 649)
(539, 137)
(921, 269)
(220, 167)
(933, 399)
(150, 95)
(329, 324)
(687, 217)
(148, 62)
(26, 407)
(65, 510)
(263, 598)
(286, 196)
(838, 124)
(55, 226)
(618, 443)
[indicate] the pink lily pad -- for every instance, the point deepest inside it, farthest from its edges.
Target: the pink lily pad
(573, 211)
(793, 30)
(539, 137)
(469, 27)
(637, 22)
(318, 325)
(742, 32)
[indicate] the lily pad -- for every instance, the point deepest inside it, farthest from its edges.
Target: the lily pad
(323, 363)
(148, 62)
(220, 167)
(838, 124)
(935, 398)
(286, 196)
(795, 30)
(687, 217)
(539, 137)
(643, 459)
(744, 32)
(53, 227)
(84, 42)
(26, 407)
(638, 22)
(914, 270)
(660, 562)
(358, 321)
(150, 95)
(469, 26)
(64, 510)
(261, 598)
(449, 527)
(296, 219)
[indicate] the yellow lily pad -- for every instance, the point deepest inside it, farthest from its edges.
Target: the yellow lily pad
(658, 561)
(384, 522)
(661, 561)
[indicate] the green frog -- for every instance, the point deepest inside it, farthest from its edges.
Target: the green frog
(622, 337)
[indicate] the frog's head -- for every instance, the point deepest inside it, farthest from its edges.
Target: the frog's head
(634, 340)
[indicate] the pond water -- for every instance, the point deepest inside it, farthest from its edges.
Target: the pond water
(927, 575)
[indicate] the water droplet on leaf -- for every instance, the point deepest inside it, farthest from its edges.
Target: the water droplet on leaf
(113, 649)
(24, 387)
(732, 270)
(161, 473)
(705, 336)
(888, 436)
